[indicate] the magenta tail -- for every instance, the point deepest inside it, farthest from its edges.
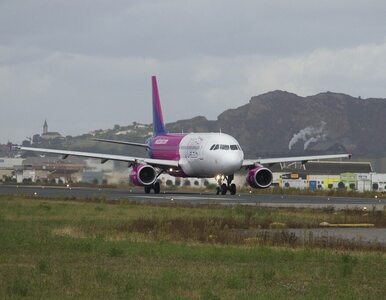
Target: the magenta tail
(158, 119)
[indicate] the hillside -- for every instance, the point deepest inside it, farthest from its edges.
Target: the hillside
(276, 123)
(282, 123)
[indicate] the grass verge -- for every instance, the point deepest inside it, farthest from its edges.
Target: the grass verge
(65, 249)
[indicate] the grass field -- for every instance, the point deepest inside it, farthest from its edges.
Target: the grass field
(64, 249)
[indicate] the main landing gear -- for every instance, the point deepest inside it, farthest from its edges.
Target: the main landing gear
(155, 186)
(224, 187)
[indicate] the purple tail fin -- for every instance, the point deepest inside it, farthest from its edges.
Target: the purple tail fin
(158, 119)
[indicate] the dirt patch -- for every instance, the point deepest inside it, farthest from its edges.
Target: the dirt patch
(69, 231)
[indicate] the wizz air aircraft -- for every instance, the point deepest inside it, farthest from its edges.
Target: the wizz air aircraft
(201, 155)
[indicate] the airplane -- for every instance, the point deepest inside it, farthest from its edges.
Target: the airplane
(200, 155)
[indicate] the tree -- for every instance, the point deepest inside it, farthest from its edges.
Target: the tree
(37, 139)
(26, 143)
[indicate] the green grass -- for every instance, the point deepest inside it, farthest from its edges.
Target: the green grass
(317, 192)
(65, 249)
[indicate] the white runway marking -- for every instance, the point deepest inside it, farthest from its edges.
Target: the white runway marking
(180, 198)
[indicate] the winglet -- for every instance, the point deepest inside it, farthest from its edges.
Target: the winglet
(158, 120)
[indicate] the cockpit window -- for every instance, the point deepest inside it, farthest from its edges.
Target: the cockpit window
(225, 147)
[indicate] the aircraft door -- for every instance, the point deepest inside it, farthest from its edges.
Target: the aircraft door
(201, 149)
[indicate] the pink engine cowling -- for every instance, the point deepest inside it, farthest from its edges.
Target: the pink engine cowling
(259, 177)
(143, 174)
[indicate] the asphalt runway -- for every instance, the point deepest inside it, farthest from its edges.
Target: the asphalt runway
(196, 198)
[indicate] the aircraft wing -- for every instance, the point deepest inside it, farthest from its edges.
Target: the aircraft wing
(122, 143)
(302, 159)
(162, 163)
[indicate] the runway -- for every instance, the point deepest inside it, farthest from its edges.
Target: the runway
(195, 198)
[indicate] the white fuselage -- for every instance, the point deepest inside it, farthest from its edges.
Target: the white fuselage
(210, 154)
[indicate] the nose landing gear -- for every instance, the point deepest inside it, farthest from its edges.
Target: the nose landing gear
(224, 187)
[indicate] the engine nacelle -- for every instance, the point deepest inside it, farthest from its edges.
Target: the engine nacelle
(143, 174)
(259, 177)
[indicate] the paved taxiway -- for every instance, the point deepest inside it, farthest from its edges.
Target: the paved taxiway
(196, 198)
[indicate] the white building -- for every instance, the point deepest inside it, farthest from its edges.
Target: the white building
(378, 182)
(10, 163)
(364, 182)
(29, 175)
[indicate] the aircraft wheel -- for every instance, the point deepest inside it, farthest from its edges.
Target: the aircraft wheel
(218, 190)
(147, 189)
(157, 188)
(224, 189)
(232, 189)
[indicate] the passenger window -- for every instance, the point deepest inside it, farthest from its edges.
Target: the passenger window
(234, 147)
(215, 147)
(224, 147)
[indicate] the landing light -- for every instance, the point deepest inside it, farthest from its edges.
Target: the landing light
(218, 177)
(171, 170)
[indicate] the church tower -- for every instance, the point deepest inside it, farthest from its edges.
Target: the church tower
(45, 127)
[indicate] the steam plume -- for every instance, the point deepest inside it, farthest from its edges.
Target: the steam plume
(309, 135)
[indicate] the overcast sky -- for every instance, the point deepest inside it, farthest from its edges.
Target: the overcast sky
(86, 64)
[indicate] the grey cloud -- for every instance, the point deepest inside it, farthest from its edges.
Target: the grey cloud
(173, 29)
(87, 64)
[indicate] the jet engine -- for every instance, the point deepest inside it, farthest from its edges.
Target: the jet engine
(259, 177)
(143, 175)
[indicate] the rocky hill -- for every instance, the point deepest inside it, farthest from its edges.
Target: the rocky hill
(281, 123)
